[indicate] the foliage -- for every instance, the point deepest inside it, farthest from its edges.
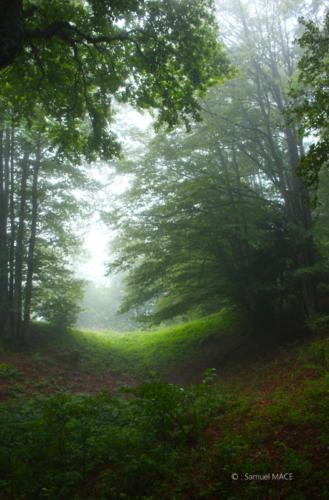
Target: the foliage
(220, 215)
(176, 442)
(77, 56)
(319, 324)
(42, 195)
(64, 193)
(57, 295)
(8, 371)
(102, 446)
(311, 97)
(196, 233)
(65, 63)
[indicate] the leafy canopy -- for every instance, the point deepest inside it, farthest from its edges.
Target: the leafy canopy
(310, 95)
(76, 56)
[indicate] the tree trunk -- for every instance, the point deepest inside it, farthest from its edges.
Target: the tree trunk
(19, 255)
(11, 31)
(303, 220)
(4, 180)
(30, 257)
(12, 225)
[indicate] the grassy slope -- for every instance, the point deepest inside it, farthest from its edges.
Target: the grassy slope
(88, 362)
(267, 417)
(161, 351)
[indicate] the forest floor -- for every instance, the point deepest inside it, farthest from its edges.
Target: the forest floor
(269, 414)
(90, 362)
(85, 362)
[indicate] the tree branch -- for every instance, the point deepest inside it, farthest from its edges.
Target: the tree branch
(71, 34)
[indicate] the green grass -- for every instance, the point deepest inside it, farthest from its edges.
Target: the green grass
(144, 352)
(166, 441)
(174, 443)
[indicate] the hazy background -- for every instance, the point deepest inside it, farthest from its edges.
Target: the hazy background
(103, 293)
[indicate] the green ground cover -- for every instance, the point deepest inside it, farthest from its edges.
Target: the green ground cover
(167, 441)
(141, 353)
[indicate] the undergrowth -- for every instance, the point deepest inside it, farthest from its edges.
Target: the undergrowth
(260, 432)
(165, 441)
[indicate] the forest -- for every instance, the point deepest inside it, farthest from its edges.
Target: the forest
(194, 135)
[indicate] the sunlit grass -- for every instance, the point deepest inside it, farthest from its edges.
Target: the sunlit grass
(148, 351)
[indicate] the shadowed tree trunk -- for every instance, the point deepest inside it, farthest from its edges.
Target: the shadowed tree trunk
(4, 187)
(11, 31)
(19, 255)
(12, 225)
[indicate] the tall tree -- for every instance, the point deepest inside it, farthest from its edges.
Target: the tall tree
(4, 171)
(224, 213)
(264, 48)
(194, 231)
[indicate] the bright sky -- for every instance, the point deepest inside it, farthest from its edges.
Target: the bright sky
(98, 236)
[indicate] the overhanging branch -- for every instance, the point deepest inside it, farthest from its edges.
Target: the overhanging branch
(71, 34)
